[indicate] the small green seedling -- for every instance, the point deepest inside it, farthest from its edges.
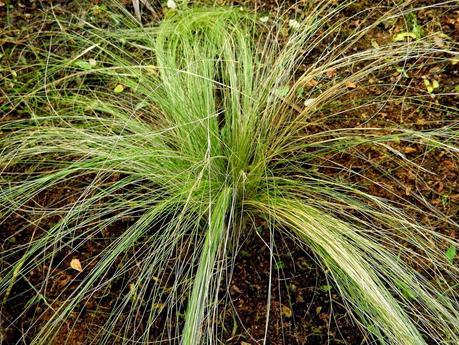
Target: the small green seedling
(415, 32)
(451, 253)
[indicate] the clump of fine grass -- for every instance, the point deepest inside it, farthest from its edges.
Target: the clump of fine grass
(186, 127)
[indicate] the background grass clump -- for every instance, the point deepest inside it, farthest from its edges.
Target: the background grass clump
(201, 127)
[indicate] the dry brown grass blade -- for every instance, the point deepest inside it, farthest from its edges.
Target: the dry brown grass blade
(136, 5)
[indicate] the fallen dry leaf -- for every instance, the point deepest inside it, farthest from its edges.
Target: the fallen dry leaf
(409, 149)
(76, 265)
(331, 73)
(421, 122)
(408, 190)
(440, 187)
(439, 41)
(351, 85)
(311, 83)
(286, 311)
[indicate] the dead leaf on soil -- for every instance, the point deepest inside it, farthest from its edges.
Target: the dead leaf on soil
(409, 149)
(439, 41)
(408, 190)
(286, 311)
(331, 73)
(76, 265)
(351, 85)
(421, 122)
(311, 83)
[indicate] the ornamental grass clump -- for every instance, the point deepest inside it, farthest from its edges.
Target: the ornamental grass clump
(192, 129)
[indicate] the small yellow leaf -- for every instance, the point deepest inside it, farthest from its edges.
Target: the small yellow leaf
(428, 85)
(286, 311)
(133, 291)
(76, 265)
(159, 306)
(439, 41)
(152, 69)
(409, 149)
(421, 122)
(331, 73)
(351, 85)
(401, 36)
(311, 83)
(92, 62)
(118, 89)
